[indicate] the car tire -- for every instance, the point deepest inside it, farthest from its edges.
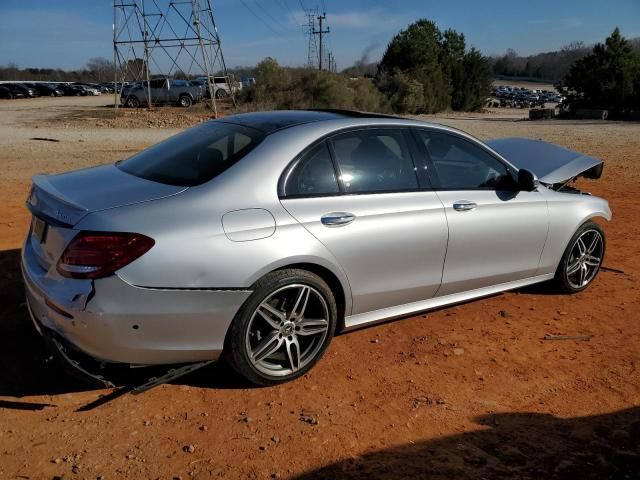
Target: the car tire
(132, 101)
(283, 328)
(221, 93)
(582, 258)
(185, 101)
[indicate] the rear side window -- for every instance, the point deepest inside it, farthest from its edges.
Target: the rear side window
(374, 160)
(313, 174)
(194, 156)
(461, 165)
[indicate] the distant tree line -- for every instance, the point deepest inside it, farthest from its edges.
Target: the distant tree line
(548, 66)
(97, 70)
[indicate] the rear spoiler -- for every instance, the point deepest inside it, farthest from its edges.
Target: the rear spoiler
(48, 203)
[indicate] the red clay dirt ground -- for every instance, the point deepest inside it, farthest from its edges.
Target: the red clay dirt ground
(471, 391)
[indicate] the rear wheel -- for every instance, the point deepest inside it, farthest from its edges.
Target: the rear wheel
(185, 101)
(221, 93)
(283, 329)
(132, 101)
(582, 259)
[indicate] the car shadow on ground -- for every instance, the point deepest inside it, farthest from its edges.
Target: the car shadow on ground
(510, 446)
(27, 368)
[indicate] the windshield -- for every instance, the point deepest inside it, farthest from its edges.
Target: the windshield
(194, 156)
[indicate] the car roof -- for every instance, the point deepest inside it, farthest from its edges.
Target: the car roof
(269, 122)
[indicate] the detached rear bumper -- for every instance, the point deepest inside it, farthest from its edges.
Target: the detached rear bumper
(121, 323)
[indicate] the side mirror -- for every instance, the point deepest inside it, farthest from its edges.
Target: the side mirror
(527, 181)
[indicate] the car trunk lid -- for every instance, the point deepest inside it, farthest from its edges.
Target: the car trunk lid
(59, 202)
(551, 163)
(66, 198)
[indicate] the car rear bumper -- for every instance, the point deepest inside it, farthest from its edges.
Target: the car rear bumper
(121, 323)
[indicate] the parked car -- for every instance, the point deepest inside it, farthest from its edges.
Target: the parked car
(73, 90)
(247, 82)
(18, 88)
(48, 90)
(258, 236)
(31, 86)
(107, 87)
(5, 92)
(163, 91)
(222, 87)
(90, 89)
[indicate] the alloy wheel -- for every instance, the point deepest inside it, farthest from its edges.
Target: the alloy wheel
(287, 330)
(585, 258)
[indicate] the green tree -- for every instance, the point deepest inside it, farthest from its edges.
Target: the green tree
(405, 94)
(424, 57)
(416, 52)
(472, 80)
(608, 77)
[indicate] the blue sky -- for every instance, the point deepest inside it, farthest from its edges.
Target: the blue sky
(66, 33)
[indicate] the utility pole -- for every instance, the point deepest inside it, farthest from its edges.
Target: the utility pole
(320, 32)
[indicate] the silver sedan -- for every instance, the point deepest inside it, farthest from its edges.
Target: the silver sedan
(259, 236)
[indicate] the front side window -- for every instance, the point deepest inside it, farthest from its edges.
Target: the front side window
(194, 156)
(461, 165)
(374, 160)
(313, 174)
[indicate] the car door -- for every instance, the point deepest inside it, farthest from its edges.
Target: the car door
(358, 193)
(159, 91)
(496, 233)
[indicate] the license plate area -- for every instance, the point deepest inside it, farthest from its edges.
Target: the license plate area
(39, 228)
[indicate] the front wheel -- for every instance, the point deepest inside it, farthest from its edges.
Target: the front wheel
(582, 258)
(283, 328)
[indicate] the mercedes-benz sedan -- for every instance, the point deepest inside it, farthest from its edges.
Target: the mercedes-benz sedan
(259, 236)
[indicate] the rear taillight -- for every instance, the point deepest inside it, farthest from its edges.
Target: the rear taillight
(100, 254)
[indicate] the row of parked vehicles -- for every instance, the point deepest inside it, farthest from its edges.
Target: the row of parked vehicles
(133, 94)
(12, 90)
(521, 97)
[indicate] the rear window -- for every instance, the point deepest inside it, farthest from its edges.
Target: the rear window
(194, 156)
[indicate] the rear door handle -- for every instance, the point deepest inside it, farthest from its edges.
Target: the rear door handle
(337, 219)
(463, 205)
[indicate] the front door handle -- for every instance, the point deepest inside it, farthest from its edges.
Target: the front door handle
(463, 205)
(337, 219)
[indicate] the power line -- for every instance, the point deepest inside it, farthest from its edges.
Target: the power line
(275, 21)
(259, 17)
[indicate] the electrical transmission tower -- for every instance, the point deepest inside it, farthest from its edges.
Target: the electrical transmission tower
(312, 52)
(317, 54)
(169, 39)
